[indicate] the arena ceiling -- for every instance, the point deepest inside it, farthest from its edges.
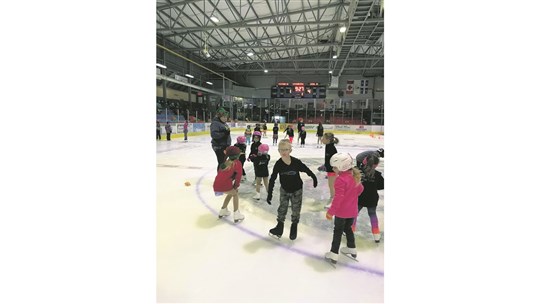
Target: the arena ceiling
(280, 36)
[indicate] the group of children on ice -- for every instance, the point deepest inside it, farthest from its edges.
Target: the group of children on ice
(351, 187)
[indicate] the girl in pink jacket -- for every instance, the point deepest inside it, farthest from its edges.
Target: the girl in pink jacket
(344, 206)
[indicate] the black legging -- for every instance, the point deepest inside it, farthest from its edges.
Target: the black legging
(220, 155)
(342, 225)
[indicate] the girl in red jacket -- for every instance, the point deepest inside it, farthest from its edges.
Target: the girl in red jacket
(227, 182)
(344, 207)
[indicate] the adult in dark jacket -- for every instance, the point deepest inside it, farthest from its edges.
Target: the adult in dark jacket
(221, 135)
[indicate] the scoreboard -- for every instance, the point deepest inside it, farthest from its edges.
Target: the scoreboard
(298, 90)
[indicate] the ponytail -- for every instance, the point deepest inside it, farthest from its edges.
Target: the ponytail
(357, 174)
(227, 165)
(331, 138)
(368, 165)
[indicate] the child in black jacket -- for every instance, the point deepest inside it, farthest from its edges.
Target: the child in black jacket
(302, 136)
(289, 169)
(255, 149)
(369, 198)
(260, 164)
(241, 144)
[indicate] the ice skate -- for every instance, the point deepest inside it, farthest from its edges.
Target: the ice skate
(224, 212)
(331, 258)
(276, 231)
(349, 252)
(238, 217)
(377, 237)
(257, 196)
(294, 230)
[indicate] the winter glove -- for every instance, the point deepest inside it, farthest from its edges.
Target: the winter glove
(322, 168)
(269, 199)
(328, 216)
(227, 132)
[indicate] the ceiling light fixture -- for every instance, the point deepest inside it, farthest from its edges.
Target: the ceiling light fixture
(330, 72)
(250, 54)
(266, 71)
(342, 29)
(334, 57)
(161, 66)
(190, 76)
(214, 19)
(209, 83)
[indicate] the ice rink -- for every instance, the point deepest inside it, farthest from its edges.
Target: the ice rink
(201, 258)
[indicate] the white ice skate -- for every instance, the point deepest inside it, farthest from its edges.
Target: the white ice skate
(224, 212)
(238, 217)
(331, 258)
(377, 237)
(349, 252)
(257, 196)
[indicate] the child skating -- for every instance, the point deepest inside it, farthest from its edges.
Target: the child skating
(227, 182)
(329, 140)
(290, 133)
(372, 181)
(320, 132)
(302, 134)
(241, 144)
(289, 169)
(260, 164)
(247, 134)
(344, 206)
(275, 131)
(254, 149)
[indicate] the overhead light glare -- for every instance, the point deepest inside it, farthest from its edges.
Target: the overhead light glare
(190, 76)
(250, 54)
(330, 72)
(342, 29)
(266, 71)
(161, 66)
(214, 19)
(334, 57)
(209, 83)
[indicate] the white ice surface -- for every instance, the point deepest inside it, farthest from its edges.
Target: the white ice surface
(203, 259)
